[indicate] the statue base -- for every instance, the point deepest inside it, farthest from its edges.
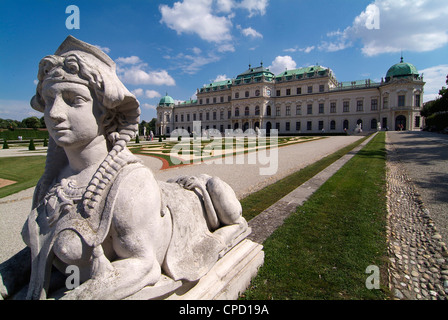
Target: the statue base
(229, 277)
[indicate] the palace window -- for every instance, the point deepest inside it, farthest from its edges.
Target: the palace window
(221, 115)
(298, 126)
(359, 105)
(277, 111)
(299, 90)
(221, 99)
(332, 125)
(288, 126)
(175, 118)
(346, 106)
(200, 116)
(194, 116)
(214, 99)
(401, 100)
(268, 110)
(214, 115)
(288, 110)
(310, 89)
(207, 101)
(257, 110)
(417, 102)
(309, 125)
(278, 93)
(237, 95)
(188, 117)
(310, 109)
(298, 110)
(333, 107)
(246, 111)
(321, 125)
(374, 104)
(207, 116)
(237, 112)
(246, 94)
(288, 92)
(417, 122)
(321, 88)
(181, 118)
(385, 102)
(321, 108)
(229, 114)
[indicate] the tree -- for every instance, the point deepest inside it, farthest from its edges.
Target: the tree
(436, 111)
(32, 122)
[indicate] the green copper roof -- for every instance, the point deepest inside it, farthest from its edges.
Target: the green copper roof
(255, 73)
(166, 100)
(302, 72)
(401, 69)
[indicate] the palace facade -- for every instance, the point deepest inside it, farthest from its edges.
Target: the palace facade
(305, 100)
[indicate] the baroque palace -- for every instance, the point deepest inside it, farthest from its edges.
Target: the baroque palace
(300, 101)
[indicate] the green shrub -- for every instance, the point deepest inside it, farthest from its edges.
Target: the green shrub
(31, 145)
(5, 144)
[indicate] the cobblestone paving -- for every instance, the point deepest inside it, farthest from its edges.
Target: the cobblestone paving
(418, 258)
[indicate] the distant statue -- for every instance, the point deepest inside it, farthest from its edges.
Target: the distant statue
(97, 208)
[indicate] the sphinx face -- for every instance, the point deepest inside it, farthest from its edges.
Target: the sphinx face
(70, 113)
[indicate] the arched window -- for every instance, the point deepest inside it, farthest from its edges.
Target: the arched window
(257, 110)
(246, 111)
(246, 94)
(237, 112)
(268, 110)
(345, 125)
(333, 125)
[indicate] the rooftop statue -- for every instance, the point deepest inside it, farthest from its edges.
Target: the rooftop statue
(98, 208)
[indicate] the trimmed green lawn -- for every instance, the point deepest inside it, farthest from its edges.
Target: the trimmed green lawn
(323, 249)
(25, 170)
(258, 201)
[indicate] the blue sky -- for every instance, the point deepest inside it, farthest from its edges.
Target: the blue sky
(176, 47)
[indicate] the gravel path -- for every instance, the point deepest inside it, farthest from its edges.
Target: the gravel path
(418, 265)
(424, 156)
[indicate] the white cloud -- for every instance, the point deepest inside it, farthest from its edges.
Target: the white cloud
(282, 63)
(128, 60)
(149, 106)
(152, 94)
(254, 6)
(435, 78)
(138, 92)
(191, 64)
(17, 110)
(408, 25)
(249, 32)
(131, 70)
(227, 47)
(297, 49)
(196, 17)
(225, 5)
(105, 49)
(221, 77)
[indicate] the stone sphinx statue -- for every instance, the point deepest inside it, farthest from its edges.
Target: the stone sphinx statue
(98, 208)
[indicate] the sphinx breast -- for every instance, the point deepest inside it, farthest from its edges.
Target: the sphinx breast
(71, 248)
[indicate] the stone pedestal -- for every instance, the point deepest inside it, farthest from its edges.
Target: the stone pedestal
(230, 276)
